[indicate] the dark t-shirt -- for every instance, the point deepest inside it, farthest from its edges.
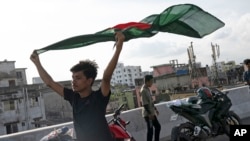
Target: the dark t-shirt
(89, 115)
(246, 77)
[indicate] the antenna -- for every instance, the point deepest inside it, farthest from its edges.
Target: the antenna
(215, 50)
(192, 62)
(194, 71)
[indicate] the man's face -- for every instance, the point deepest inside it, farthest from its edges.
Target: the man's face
(80, 82)
(149, 83)
(248, 66)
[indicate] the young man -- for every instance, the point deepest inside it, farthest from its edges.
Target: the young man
(149, 111)
(88, 106)
(246, 74)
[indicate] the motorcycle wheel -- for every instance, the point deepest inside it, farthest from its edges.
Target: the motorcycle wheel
(232, 119)
(183, 132)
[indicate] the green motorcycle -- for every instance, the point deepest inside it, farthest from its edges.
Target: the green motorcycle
(206, 117)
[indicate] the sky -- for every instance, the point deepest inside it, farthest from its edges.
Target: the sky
(27, 25)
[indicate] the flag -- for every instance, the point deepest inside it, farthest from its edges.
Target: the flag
(183, 19)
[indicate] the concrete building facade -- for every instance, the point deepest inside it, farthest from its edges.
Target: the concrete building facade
(21, 108)
(126, 74)
(21, 105)
(11, 76)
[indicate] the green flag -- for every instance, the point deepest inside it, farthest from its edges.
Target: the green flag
(183, 19)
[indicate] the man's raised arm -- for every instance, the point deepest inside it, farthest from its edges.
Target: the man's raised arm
(47, 79)
(107, 75)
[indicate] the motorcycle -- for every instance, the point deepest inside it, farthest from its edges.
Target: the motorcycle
(61, 134)
(198, 126)
(117, 127)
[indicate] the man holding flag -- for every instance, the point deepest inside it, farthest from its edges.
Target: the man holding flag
(89, 106)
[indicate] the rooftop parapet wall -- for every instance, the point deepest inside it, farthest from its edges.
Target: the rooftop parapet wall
(241, 105)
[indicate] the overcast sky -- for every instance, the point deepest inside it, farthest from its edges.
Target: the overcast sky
(33, 24)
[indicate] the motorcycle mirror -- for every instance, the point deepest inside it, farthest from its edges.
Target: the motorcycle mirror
(127, 122)
(118, 111)
(120, 107)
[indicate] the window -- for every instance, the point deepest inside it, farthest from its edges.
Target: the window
(12, 83)
(34, 102)
(36, 121)
(19, 74)
(9, 105)
(11, 128)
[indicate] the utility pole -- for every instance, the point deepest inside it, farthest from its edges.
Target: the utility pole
(192, 63)
(192, 66)
(215, 55)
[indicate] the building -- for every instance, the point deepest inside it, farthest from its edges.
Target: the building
(163, 69)
(179, 77)
(37, 80)
(171, 76)
(126, 74)
(21, 108)
(230, 65)
(21, 105)
(11, 76)
(219, 72)
(144, 73)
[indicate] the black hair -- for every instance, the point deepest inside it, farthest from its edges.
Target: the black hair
(246, 61)
(88, 67)
(148, 78)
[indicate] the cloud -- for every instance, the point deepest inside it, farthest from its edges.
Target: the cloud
(223, 34)
(242, 29)
(28, 25)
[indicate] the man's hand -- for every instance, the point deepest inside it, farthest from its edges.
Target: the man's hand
(119, 37)
(34, 57)
(107, 75)
(151, 116)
